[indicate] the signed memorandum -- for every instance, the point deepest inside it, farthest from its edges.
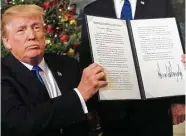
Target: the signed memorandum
(141, 58)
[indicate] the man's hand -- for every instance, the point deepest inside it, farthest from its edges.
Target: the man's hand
(178, 113)
(178, 110)
(92, 79)
(183, 60)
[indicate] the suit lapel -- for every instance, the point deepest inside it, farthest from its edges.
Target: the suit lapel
(106, 7)
(110, 9)
(32, 86)
(57, 71)
(140, 9)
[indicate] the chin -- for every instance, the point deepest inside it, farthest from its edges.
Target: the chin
(34, 54)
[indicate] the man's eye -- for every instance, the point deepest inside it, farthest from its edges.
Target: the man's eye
(20, 31)
(36, 27)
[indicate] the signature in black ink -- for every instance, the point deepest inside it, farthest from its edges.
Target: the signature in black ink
(169, 73)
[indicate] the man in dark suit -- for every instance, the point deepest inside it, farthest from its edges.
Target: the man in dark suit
(138, 118)
(42, 95)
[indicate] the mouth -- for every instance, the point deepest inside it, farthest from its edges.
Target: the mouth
(33, 46)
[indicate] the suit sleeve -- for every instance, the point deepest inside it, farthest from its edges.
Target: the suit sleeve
(24, 119)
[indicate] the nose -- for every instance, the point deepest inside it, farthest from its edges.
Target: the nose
(31, 34)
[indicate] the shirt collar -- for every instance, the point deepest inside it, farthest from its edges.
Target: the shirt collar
(42, 65)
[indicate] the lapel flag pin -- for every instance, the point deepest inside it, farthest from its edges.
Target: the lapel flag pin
(142, 2)
(59, 73)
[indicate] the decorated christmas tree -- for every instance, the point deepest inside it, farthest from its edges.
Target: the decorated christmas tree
(62, 29)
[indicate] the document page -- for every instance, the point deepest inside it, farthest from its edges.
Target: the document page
(159, 53)
(111, 49)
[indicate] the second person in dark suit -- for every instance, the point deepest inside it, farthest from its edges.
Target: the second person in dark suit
(123, 118)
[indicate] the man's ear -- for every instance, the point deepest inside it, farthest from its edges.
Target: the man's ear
(6, 44)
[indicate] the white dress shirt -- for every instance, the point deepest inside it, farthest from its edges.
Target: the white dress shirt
(51, 84)
(118, 4)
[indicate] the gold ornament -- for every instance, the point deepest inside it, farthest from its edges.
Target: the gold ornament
(71, 52)
(48, 41)
(73, 22)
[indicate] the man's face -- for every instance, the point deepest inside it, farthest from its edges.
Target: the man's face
(25, 37)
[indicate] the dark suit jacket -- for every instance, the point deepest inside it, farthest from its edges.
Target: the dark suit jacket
(105, 8)
(116, 115)
(27, 109)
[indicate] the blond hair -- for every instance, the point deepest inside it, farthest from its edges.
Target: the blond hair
(20, 10)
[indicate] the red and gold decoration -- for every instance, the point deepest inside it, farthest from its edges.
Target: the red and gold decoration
(62, 30)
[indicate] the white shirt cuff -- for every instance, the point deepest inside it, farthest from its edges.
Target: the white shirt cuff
(84, 106)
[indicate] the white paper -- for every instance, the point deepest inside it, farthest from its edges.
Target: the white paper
(111, 49)
(159, 53)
